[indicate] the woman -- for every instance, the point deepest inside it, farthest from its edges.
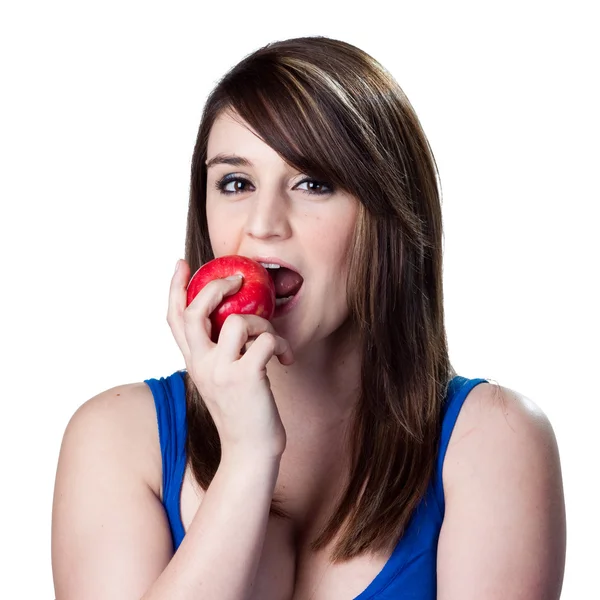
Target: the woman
(345, 457)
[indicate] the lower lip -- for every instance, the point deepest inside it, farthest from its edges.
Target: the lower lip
(282, 310)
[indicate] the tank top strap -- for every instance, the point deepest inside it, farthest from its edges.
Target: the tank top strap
(169, 400)
(458, 389)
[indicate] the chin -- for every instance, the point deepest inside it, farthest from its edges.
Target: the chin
(314, 338)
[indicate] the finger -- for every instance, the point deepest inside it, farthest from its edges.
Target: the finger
(196, 317)
(237, 331)
(177, 304)
(285, 357)
(264, 347)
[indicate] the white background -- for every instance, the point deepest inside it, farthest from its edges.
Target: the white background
(100, 106)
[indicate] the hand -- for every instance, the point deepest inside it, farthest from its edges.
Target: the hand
(231, 375)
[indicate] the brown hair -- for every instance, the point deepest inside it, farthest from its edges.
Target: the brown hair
(333, 112)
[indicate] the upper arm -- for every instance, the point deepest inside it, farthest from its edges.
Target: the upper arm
(110, 535)
(504, 530)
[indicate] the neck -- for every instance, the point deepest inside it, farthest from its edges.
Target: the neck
(318, 392)
(316, 397)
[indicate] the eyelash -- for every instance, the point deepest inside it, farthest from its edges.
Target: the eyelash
(221, 183)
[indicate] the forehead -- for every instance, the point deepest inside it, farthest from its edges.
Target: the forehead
(230, 134)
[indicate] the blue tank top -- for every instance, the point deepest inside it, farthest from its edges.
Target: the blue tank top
(410, 572)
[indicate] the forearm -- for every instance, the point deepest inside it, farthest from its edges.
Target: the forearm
(219, 555)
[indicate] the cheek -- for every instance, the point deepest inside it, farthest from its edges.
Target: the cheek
(220, 232)
(333, 277)
(330, 242)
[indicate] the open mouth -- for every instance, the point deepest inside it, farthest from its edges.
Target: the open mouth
(287, 282)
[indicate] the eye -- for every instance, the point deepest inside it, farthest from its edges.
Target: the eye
(319, 188)
(232, 184)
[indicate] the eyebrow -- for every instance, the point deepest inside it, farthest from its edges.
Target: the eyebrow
(228, 159)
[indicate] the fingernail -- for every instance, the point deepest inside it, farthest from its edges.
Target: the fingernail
(234, 278)
(177, 265)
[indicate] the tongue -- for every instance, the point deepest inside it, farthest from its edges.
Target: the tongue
(287, 282)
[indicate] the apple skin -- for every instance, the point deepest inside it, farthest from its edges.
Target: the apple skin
(256, 295)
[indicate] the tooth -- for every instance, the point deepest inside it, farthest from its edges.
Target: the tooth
(270, 265)
(281, 301)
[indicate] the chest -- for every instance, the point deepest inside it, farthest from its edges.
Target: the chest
(288, 573)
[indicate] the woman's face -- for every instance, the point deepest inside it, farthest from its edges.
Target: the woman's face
(266, 208)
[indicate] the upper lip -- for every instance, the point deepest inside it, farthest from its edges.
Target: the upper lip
(276, 260)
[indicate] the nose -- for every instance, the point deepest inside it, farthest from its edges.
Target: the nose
(268, 215)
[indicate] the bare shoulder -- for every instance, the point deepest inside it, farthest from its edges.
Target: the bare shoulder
(495, 408)
(492, 414)
(504, 529)
(497, 427)
(123, 417)
(110, 534)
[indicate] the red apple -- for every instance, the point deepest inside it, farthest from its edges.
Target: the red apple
(256, 295)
